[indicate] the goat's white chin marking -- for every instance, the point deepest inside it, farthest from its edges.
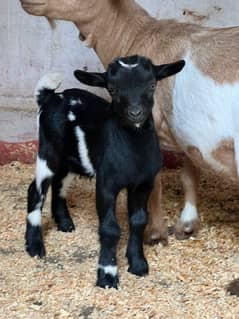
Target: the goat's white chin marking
(138, 125)
(128, 66)
(109, 269)
(34, 217)
(189, 213)
(83, 151)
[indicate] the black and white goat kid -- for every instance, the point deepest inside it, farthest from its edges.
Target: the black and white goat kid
(82, 133)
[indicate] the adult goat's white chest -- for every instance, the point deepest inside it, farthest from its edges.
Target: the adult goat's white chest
(205, 119)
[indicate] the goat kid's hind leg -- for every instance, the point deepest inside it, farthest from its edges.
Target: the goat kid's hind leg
(60, 213)
(137, 206)
(156, 230)
(36, 196)
(189, 222)
(109, 234)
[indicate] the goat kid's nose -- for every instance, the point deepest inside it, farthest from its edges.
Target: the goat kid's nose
(134, 113)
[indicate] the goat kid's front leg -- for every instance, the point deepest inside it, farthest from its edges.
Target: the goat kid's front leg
(156, 230)
(60, 213)
(109, 234)
(36, 196)
(189, 222)
(137, 207)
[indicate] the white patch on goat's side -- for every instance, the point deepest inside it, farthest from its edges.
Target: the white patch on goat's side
(65, 184)
(71, 116)
(61, 96)
(83, 151)
(128, 66)
(204, 112)
(34, 217)
(189, 213)
(49, 81)
(42, 172)
(109, 269)
(38, 119)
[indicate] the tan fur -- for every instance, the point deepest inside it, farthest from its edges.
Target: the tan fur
(225, 155)
(156, 229)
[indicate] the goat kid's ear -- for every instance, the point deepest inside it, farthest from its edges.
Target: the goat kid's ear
(91, 78)
(165, 70)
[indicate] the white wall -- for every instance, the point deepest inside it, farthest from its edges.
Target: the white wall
(29, 48)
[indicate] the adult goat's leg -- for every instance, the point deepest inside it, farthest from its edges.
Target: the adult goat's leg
(156, 230)
(189, 222)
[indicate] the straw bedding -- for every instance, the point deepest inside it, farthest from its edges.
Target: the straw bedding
(187, 278)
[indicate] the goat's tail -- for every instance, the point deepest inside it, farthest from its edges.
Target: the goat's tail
(47, 85)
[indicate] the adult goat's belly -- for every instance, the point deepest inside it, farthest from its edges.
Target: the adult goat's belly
(205, 120)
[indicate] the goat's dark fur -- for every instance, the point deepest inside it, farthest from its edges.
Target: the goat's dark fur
(84, 134)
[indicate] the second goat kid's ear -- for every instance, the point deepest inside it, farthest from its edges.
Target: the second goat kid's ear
(91, 78)
(165, 70)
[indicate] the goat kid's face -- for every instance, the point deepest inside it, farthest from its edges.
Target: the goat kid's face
(131, 82)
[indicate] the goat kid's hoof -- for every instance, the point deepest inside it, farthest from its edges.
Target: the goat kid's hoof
(186, 230)
(66, 225)
(233, 287)
(36, 249)
(153, 236)
(139, 267)
(107, 280)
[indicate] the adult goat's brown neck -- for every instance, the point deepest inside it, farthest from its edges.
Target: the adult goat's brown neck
(110, 27)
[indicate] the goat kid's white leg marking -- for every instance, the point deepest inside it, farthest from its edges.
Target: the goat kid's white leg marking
(71, 116)
(204, 112)
(189, 213)
(34, 217)
(42, 172)
(65, 184)
(49, 81)
(109, 269)
(128, 66)
(83, 151)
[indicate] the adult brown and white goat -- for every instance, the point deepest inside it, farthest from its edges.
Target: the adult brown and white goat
(199, 113)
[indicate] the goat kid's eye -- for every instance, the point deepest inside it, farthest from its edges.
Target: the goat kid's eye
(153, 86)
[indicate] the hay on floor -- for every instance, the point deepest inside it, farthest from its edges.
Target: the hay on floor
(187, 279)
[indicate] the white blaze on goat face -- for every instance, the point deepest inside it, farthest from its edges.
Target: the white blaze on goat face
(128, 66)
(205, 114)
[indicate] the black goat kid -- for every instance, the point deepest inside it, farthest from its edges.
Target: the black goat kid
(83, 134)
